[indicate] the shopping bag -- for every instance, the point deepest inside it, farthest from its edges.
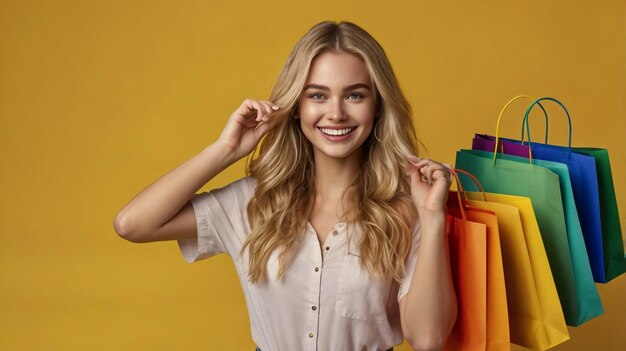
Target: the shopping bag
(582, 172)
(613, 244)
(534, 311)
(497, 323)
(468, 262)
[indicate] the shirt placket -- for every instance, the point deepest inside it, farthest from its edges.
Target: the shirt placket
(312, 324)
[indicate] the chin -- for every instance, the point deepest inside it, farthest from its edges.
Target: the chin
(339, 154)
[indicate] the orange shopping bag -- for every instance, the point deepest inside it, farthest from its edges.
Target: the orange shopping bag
(467, 244)
(495, 335)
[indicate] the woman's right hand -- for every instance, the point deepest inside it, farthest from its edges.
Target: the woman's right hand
(246, 126)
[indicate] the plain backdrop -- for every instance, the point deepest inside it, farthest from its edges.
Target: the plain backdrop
(100, 98)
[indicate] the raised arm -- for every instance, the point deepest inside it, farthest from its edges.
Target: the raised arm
(428, 311)
(162, 211)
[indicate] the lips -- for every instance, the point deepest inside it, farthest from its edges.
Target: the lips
(336, 131)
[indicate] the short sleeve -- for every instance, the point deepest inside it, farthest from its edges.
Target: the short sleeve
(221, 221)
(411, 261)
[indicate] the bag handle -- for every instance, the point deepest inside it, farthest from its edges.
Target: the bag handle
(526, 123)
(463, 204)
(495, 151)
(474, 180)
(458, 195)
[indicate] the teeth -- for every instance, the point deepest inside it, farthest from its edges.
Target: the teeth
(336, 131)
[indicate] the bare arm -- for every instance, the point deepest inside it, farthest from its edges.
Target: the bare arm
(428, 311)
(430, 305)
(162, 210)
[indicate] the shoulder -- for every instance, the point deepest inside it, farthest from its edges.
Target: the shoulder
(241, 189)
(245, 185)
(237, 192)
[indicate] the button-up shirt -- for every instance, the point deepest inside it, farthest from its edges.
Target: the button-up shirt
(324, 301)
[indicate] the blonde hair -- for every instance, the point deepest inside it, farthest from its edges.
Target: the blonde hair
(379, 196)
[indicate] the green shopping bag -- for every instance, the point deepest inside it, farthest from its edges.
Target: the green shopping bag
(613, 244)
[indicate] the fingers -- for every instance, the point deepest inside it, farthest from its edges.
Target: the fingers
(257, 110)
(429, 171)
(446, 172)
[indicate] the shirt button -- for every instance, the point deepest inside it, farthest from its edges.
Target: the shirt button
(335, 232)
(313, 308)
(310, 335)
(317, 269)
(327, 248)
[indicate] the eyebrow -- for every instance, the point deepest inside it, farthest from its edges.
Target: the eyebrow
(349, 87)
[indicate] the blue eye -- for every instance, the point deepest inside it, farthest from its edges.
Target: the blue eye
(355, 96)
(316, 96)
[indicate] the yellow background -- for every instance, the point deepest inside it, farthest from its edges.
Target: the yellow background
(100, 98)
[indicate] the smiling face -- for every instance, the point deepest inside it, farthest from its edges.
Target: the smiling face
(337, 106)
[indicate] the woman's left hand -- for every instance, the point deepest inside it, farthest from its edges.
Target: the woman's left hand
(430, 183)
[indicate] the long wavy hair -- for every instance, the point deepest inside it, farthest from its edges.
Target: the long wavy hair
(378, 197)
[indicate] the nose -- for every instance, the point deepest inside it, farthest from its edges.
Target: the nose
(336, 110)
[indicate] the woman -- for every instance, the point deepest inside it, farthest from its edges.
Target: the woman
(327, 229)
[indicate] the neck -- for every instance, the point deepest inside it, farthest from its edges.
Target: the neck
(333, 176)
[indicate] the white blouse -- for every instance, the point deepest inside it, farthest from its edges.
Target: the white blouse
(324, 301)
